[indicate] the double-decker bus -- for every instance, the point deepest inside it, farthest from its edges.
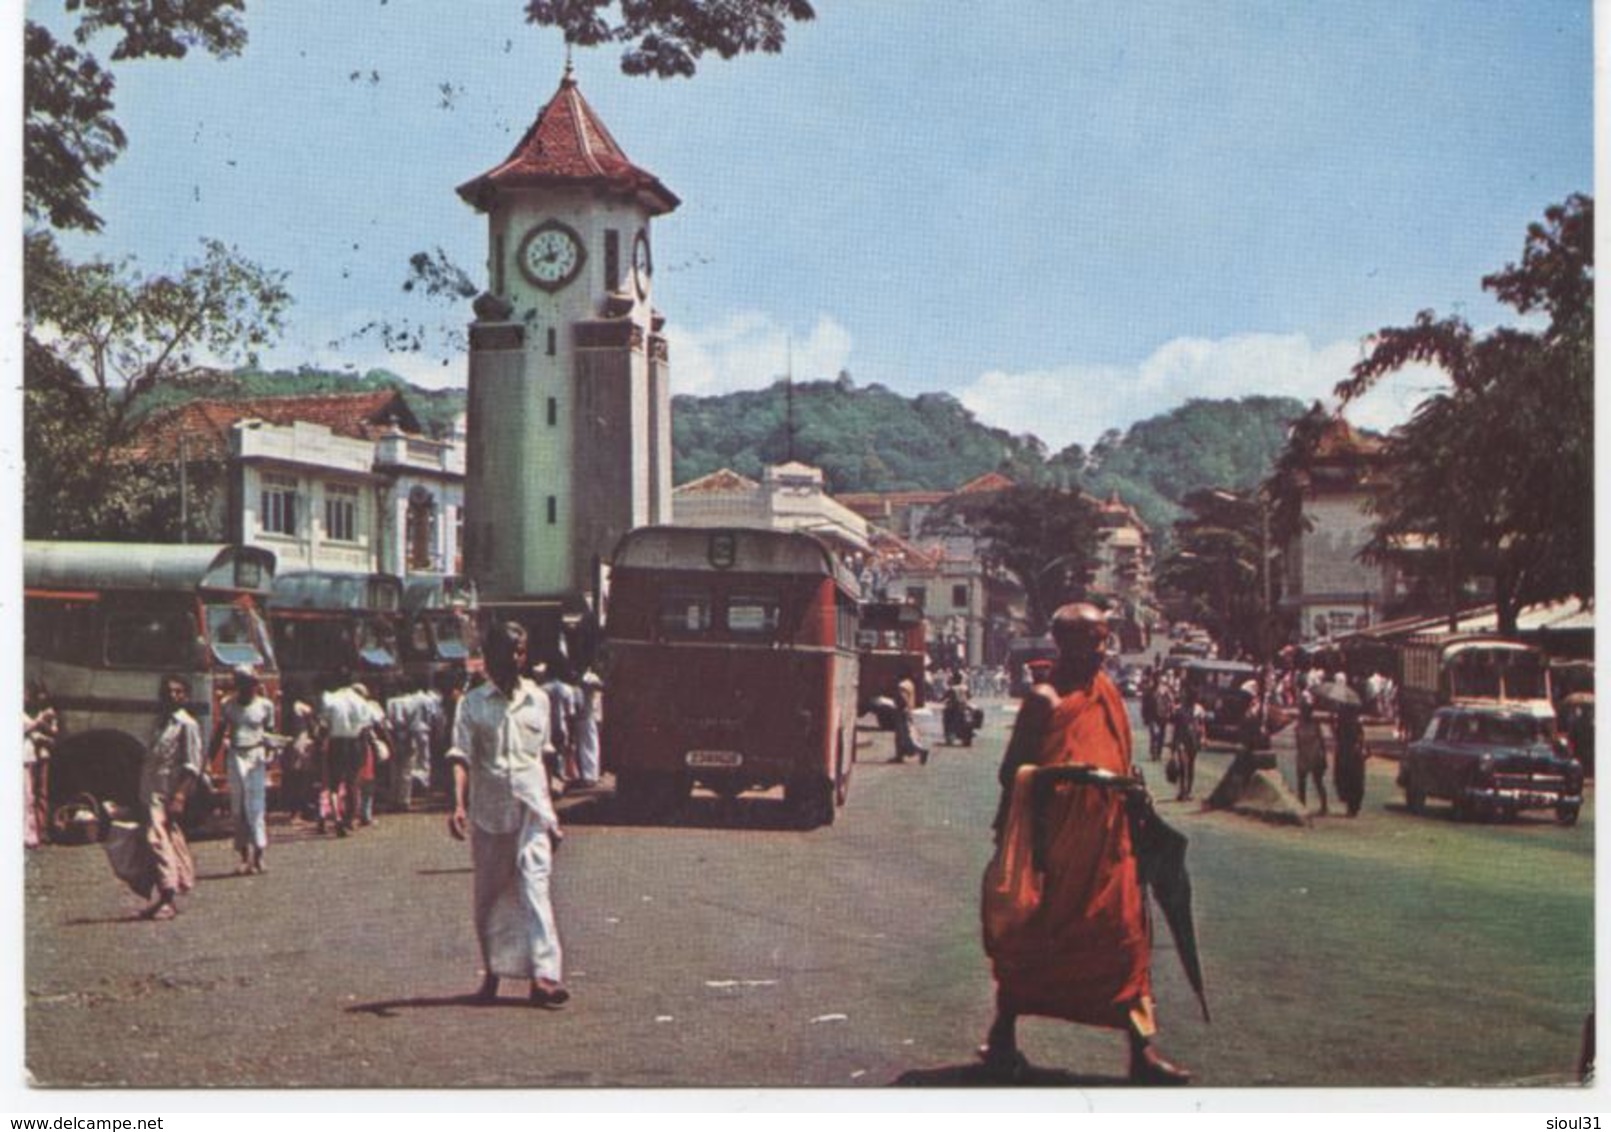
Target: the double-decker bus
(104, 622)
(731, 665)
(892, 639)
(327, 623)
(439, 639)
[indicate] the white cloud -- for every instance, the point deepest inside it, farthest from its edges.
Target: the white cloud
(750, 351)
(1076, 403)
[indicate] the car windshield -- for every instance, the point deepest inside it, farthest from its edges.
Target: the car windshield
(1497, 730)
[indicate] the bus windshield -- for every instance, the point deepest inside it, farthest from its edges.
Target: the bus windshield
(377, 643)
(451, 637)
(236, 635)
(1510, 674)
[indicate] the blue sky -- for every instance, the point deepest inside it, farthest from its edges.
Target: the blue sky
(1068, 215)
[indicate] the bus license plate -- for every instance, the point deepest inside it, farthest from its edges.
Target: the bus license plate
(714, 758)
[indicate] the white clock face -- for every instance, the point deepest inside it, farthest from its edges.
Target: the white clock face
(551, 255)
(642, 265)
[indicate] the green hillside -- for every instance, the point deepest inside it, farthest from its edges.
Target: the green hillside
(868, 439)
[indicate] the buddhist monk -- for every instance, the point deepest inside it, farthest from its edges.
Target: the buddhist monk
(1065, 920)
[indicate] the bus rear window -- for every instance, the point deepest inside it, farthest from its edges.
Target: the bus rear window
(752, 615)
(683, 612)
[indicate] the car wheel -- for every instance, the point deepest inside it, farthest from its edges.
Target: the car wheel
(1414, 794)
(1566, 815)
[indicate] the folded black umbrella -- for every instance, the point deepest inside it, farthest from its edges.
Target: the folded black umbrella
(1160, 851)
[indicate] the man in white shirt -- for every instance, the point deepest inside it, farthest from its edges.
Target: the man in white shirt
(502, 804)
(411, 719)
(346, 713)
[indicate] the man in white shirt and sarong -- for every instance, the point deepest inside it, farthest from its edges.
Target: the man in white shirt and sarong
(501, 802)
(411, 718)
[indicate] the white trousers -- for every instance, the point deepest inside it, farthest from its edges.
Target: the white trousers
(514, 918)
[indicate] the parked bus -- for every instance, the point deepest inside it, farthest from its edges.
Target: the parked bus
(892, 639)
(440, 640)
(104, 622)
(1472, 670)
(331, 622)
(731, 665)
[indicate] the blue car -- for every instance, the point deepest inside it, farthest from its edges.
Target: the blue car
(1492, 761)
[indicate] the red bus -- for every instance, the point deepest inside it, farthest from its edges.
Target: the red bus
(893, 642)
(731, 664)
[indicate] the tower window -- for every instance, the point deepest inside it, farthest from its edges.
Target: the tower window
(553, 341)
(553, 412)
(612, 260)
(497, 264)
(553, 510)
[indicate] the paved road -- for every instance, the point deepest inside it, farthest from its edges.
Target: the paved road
(727, 949)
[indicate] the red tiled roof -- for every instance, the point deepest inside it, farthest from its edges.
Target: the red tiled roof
(721, 481)
(568, 145)
(887, 544)
(205, 425)
(990, 481)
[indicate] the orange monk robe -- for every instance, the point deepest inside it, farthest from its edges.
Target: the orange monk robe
(1071, 941)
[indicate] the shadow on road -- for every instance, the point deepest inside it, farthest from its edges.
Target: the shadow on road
(977, 1076)
(390, 1007)
(698, 811)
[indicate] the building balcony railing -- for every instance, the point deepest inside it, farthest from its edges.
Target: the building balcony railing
(422, 453)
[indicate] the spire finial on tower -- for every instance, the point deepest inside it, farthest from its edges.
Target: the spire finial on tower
(570, 67)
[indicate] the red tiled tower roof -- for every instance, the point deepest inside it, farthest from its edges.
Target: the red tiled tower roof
(566, 147)
(205, 424)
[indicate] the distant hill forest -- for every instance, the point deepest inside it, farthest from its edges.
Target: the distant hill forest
(874, 439)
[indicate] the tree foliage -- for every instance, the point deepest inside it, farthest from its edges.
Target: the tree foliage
(70, 133)
(1498, 469)
(1045, 536)
(667, 38)
(1285, 487)
(1215, 566)
(100, 338)
(869, 439)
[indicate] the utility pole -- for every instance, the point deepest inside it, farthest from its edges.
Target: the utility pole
(184, 492)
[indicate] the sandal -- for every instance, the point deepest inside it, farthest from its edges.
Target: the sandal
(548, 994)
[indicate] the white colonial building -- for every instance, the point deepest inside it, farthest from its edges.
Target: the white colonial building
(327, 482)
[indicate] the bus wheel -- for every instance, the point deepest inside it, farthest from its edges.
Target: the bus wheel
(641, 794)
(841, 788)
(77, 821)
(811, 798)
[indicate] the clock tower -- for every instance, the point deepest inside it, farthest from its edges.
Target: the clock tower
(570, 399)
